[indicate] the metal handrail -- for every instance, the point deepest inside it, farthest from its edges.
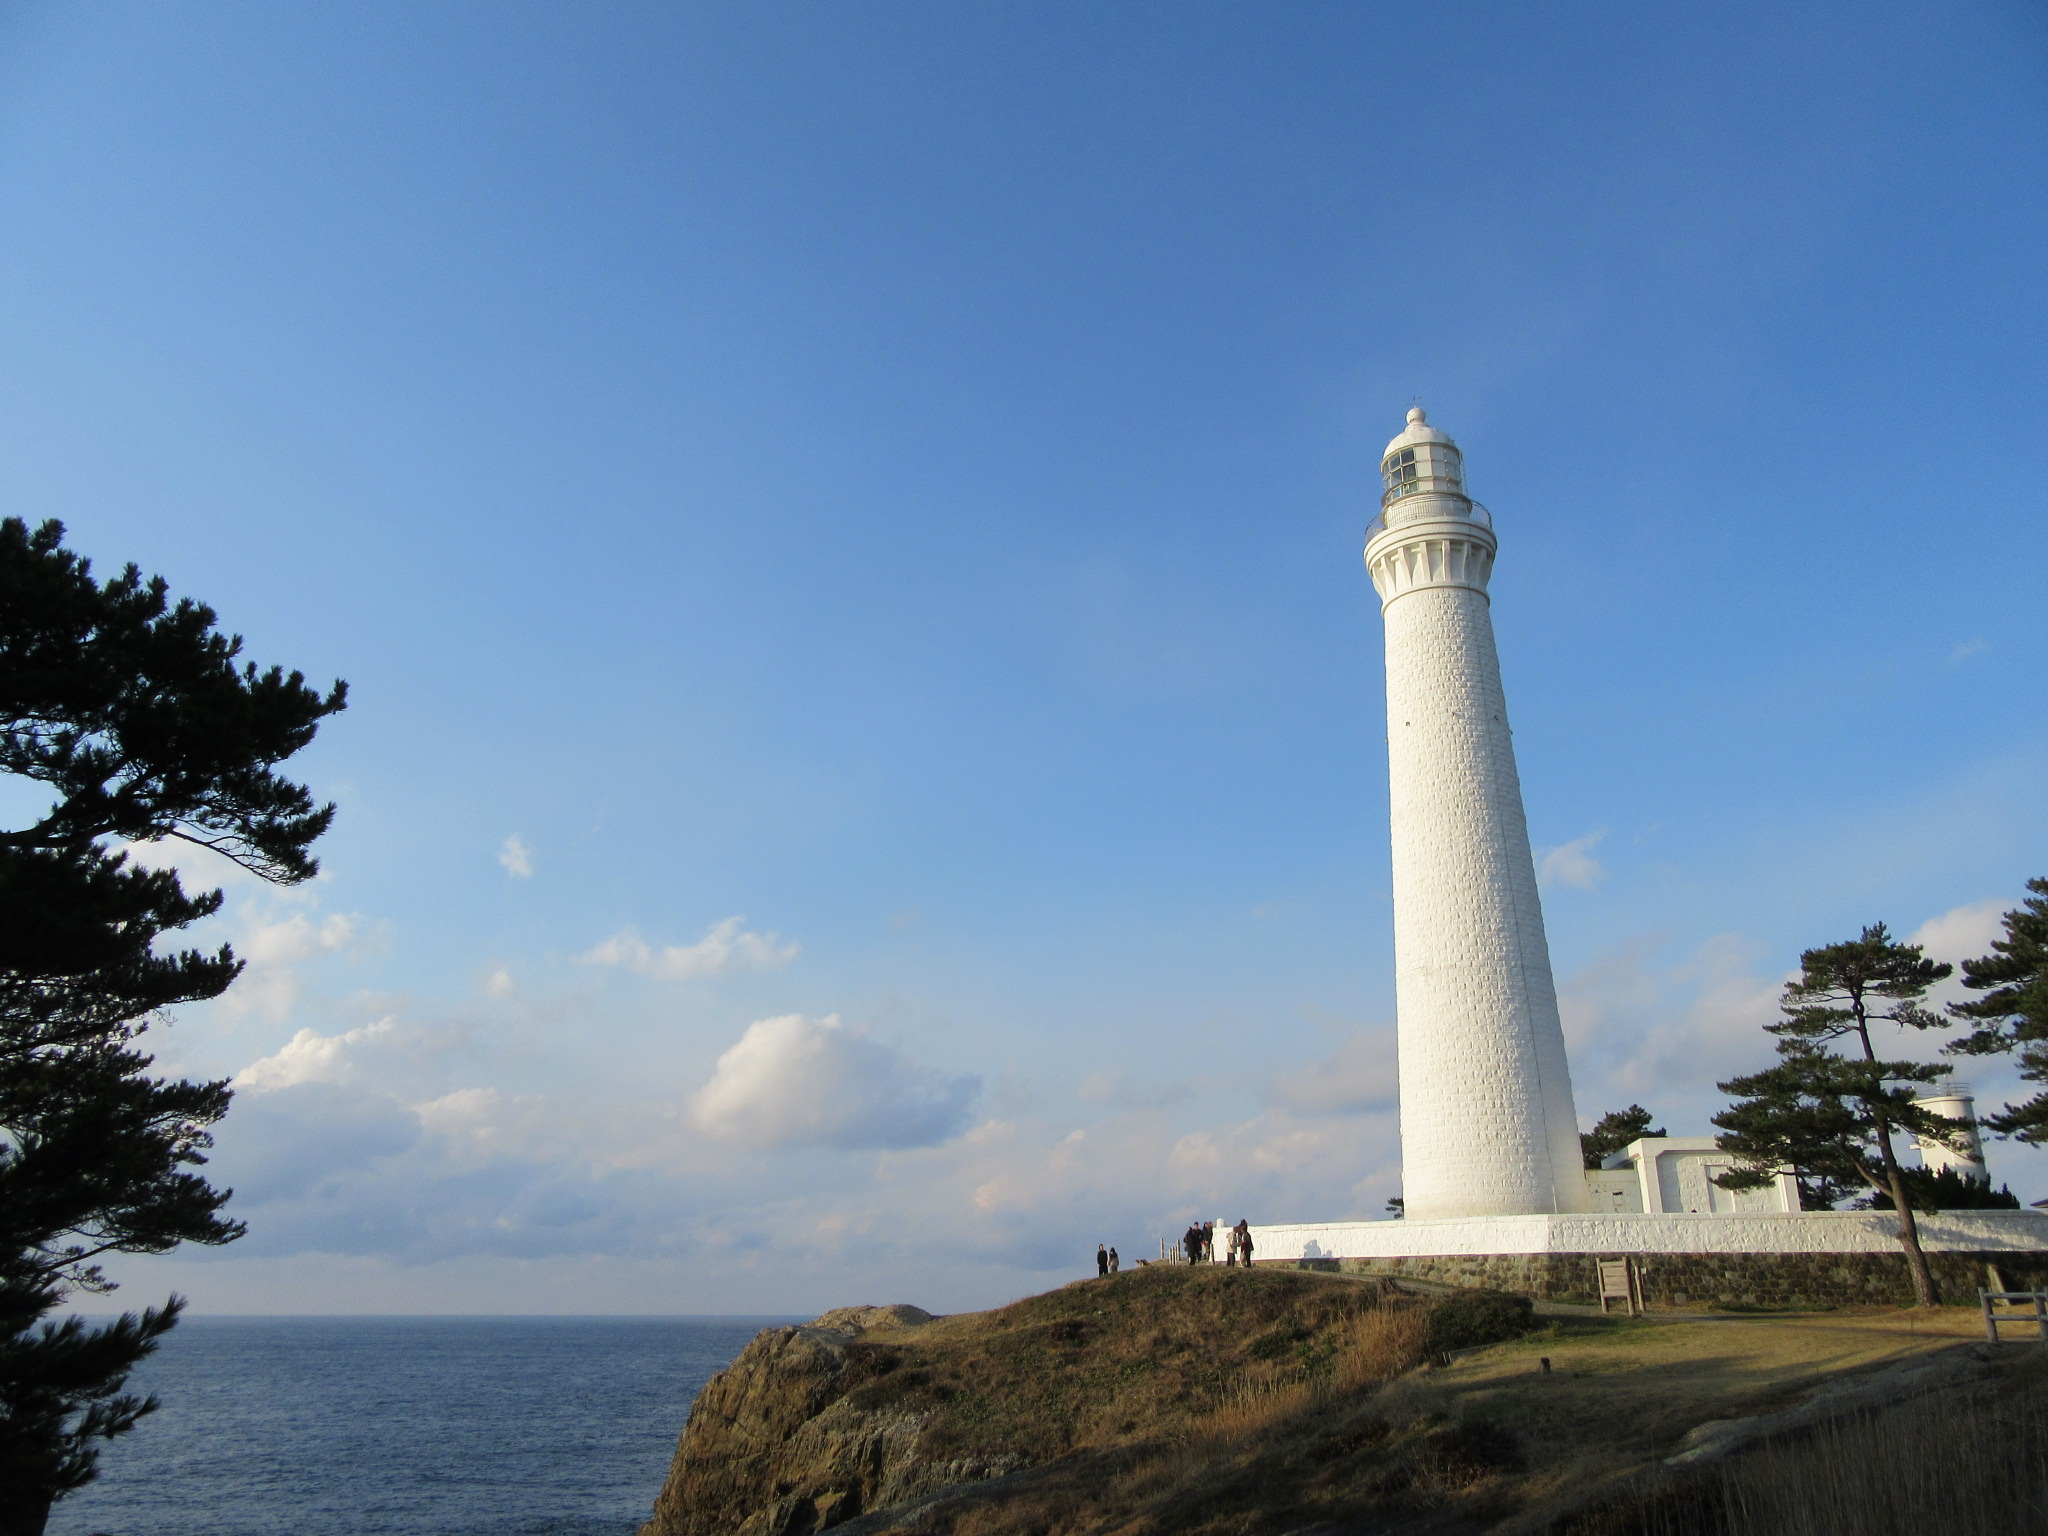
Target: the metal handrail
(1440, 484)
(1476, 511)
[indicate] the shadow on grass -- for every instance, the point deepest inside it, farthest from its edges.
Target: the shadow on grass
(1967, 1462)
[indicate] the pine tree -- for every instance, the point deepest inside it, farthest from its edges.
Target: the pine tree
(2013, 1013)
(1943, 1189)
(1831, 1117)
(1613, 1131)
(136, 723)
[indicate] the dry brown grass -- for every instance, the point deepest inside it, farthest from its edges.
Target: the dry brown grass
(1138, 1359)
(1959, 1463)
(1622, 1394)
(1373, 1347)
(1217, 1401)
(1227, 1403)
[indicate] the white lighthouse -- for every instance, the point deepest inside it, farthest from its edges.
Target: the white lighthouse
(1487, 1122)
(1491, 1169)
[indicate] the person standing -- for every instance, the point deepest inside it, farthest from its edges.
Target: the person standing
(1114, 1261)
(1243, 1236)
(1101, 1260)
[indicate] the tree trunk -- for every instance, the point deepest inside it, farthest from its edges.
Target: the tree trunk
(1909, 1229)
(1924, 1293)
(24, 1511)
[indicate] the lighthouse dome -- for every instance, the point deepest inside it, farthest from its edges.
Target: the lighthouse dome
(1418, 430)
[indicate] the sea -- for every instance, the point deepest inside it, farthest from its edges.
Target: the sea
(405, 1426)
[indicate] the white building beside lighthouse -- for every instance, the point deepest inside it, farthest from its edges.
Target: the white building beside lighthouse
(1487, 1122)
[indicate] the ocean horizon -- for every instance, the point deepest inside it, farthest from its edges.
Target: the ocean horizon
(406, 1425)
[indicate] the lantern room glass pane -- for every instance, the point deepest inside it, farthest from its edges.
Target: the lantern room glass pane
(1399, 468)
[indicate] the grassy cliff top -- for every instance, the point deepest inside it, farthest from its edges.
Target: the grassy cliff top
(1220, 1400)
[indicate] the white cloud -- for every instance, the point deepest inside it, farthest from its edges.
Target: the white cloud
(1360, 1077)
(342, 1148)
(291, 1141)
(1967, 649)
(482, 1122)
(517, 858)
(793, 1081)
(297, 938)
(1663, 1033)
(1573, 865)
(311, 1057)
(274, 950)
(1117, 1089)
(1101, 1088)
(1959, 934)
(326, 1172)
(726, 947)
(1963, 933)
(1030, 1192)
(391, 1054)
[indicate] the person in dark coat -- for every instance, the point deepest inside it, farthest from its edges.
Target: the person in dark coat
(1114, 1262)
(1101, 1260)
(1243, 1234)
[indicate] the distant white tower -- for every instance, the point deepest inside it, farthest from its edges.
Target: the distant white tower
(1958, 1102)
(1487, 1123)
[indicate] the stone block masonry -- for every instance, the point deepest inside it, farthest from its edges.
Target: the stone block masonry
(1487, 1121)
(1686, 1281)
(1777, 1259)
(1486, 1106)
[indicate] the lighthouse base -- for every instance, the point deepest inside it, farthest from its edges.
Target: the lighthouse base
(1802, 1259)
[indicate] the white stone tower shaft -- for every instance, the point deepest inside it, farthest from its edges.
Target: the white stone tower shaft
(1958, 1102)
(1487, 1122)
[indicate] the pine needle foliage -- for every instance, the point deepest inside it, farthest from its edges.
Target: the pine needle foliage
(2012, 1016)
(1830, 1108)
(1614, 1131)
(1944, 1189)
(138, 723)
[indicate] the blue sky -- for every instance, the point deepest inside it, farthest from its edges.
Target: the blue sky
(852, 513)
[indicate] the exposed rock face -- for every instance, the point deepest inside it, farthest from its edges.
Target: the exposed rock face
(774, 1447)
(874, 1419)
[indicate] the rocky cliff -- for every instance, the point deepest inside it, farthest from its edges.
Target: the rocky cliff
(783, 1442)
(1219, 1402)
(869, 1416)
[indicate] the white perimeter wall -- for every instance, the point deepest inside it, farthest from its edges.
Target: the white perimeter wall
(1798, 1232)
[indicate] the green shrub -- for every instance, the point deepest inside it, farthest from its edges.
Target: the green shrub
(1466, 1319)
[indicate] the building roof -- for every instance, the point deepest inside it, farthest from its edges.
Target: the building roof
(1418, 430)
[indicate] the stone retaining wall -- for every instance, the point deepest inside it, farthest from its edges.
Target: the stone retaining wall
(1691, 1280)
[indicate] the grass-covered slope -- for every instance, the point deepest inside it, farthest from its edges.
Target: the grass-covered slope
(1129, 1360)
(1217, 1400)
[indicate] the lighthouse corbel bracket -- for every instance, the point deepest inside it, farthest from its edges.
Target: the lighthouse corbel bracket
(1444, 551)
